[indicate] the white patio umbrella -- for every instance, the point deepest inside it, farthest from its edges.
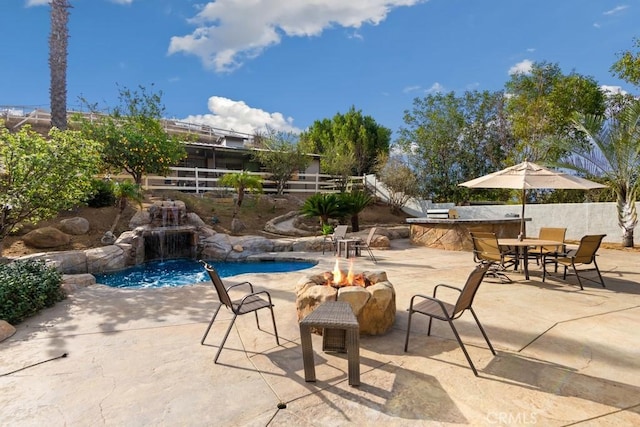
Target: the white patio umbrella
(527, 175)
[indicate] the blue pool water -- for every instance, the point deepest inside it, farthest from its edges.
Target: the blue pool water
(179, 272)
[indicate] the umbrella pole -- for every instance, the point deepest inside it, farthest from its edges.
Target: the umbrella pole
(522, 233)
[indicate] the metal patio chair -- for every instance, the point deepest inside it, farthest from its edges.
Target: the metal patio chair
(250, 302)
(439, 309)
(584, 255)
(366, 244)
(486, 250)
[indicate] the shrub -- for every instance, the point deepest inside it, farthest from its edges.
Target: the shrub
(26, 287)
(102, 194)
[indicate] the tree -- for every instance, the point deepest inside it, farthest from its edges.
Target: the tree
(40, 177)
(627, 67)
(350, 133)
(449, 139)
(399, 179)
(58, 42)
(124, 192)
(281, 155)
(241, 181)
(614, 155)
(541, 105)
(133, 137)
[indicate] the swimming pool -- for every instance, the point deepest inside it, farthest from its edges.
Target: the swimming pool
(180, 272)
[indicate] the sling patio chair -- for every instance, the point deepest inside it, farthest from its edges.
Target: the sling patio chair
(585, 254)
(250, 302)
(486, 250)
(439, 309)
(339, 233)
(358, 246)
(548, 233)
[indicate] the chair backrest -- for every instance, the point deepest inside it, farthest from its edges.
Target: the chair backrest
(370, 236)
(589, 245)
(223, 295)
(470, 288)
(485, 247)
(552, 233)
(340, 232)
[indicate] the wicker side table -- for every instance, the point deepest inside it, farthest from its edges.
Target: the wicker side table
(341, 327)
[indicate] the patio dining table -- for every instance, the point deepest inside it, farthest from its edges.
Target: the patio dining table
(522, 248)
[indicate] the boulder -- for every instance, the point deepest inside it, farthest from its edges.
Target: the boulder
(216, 246)
(46, 237)
(195, 220)
(72, 282)
(76, 225)
(139, 219)
(106, 258)
(237, 226)
(6, 330)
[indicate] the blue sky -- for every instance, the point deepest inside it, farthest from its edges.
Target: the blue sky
(247, 64)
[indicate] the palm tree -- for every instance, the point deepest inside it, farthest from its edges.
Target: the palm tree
(58, 42)
(615, 155)
(324, 206)
(354, 203)
(241, 181)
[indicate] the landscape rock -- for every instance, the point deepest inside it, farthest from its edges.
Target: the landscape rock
(237, 226)
(75, 226)
(107, 258)
(139, 219)
(72, 282)
(6, 330)
(108, 238)
(46, 237)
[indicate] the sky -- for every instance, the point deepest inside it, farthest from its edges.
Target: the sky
(245, 65)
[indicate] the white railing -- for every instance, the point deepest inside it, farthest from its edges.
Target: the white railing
(201, 180)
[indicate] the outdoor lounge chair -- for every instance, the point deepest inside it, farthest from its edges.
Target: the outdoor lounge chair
(436, 308)
(584, 255)
(250, 302)
(487, 251)
(358, 246)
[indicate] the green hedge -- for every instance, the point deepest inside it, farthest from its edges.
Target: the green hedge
(26, 287)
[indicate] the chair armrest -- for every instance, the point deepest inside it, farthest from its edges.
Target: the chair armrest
(254, 294)
(240, 284)
(445, 286)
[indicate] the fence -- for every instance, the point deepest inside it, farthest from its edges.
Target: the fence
(201, 180)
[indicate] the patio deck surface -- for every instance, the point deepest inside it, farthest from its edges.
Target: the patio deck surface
(565, 356)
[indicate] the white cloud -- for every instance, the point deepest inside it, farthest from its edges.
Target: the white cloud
(616, 10)
(231, 31)
(410, 89)
(522, 67)
(435, 88)
(238, 116)
(613, 90)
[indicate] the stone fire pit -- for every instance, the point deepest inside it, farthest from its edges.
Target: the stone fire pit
(373, 300)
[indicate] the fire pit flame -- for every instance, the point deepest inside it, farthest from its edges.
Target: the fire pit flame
(337, 278)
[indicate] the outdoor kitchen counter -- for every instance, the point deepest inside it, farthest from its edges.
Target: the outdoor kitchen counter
(453, 234)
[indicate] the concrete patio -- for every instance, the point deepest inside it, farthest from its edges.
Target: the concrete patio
(565, 356)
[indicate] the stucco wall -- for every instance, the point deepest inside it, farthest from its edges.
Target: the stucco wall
(578, 218)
